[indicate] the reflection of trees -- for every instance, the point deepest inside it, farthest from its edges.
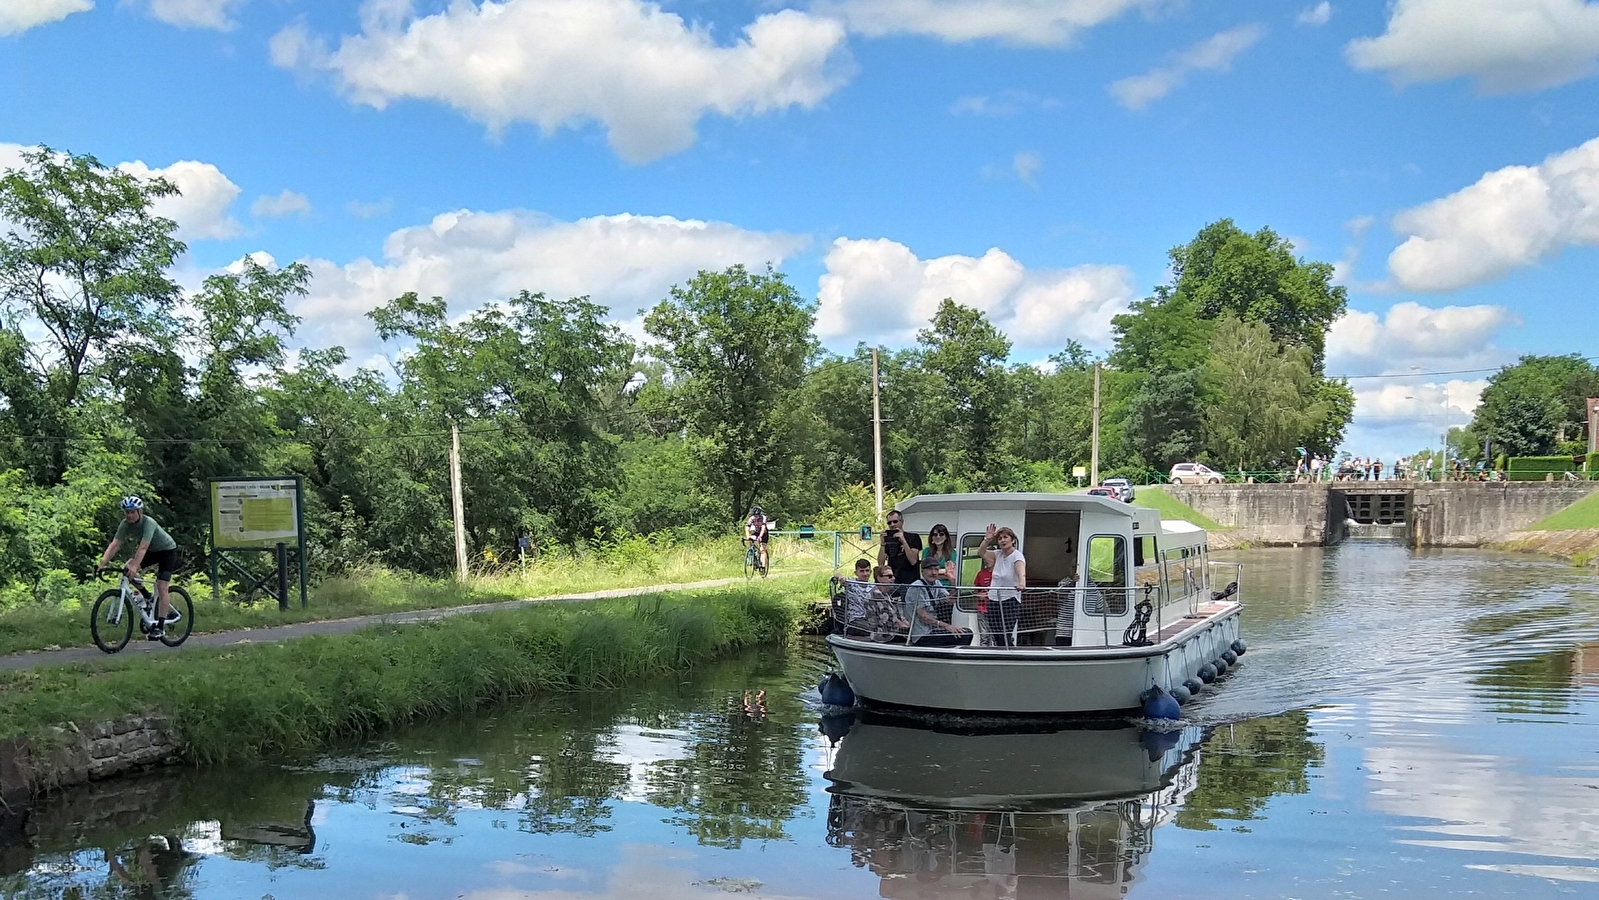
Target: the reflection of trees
(741, 780)
(1533, 684)
(1243, 766)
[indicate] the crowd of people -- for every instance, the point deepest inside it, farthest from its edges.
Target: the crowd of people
(908, 594)
(1405, 468)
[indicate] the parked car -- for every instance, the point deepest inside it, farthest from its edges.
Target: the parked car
(1195, 473)
(1123, 488)
(1104, 492)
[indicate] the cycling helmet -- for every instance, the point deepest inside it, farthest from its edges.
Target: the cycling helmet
(755, 511)
(132, 503)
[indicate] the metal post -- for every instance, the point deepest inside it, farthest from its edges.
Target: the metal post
(1093, 463)
(457, 502)
(299, 527)
(877, 438)
(282, 557)
(1593, 425)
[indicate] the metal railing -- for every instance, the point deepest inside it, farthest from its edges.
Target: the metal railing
(1011, 618)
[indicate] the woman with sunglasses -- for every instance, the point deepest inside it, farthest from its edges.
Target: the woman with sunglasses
(941, 549)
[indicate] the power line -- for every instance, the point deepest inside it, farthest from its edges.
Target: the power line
(1430, 374)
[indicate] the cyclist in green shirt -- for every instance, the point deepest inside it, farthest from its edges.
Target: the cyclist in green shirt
(151, 546)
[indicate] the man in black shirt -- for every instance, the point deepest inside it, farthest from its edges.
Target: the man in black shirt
(901, 550)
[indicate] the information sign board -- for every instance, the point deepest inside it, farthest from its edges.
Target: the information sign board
(255, 512)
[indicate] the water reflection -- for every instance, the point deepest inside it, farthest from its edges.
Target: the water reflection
(935, 812)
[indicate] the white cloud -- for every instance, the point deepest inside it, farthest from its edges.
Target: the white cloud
(879, 289)
(17, 16)
(287, 203)
(1320, 14)
(624, 262)
(1027, 22)
(1005, 103)
(1511, 217)
(1507, 45)
(1410, 409)
(201, 209)
(215, 14)
(362, 209)
(1428, 338)
(641, 72)
(1213, 54)
(1027, 164)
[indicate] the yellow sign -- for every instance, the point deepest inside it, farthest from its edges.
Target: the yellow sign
(255, 513)
(1079, 471)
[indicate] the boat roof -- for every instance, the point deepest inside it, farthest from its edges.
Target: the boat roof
(1016, 500)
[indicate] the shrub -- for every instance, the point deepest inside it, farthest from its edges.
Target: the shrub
(1535, 468)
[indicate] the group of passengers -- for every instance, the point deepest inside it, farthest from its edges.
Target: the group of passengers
(907, 595)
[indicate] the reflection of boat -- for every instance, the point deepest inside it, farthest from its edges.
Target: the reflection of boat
(1138, 603)
(1014, 769)
(1067, 813)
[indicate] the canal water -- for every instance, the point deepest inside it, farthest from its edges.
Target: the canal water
(1403, 724)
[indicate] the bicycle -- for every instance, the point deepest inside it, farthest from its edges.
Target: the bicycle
(752, 559)
(132, 600)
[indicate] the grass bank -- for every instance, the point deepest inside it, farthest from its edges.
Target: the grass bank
(1580, 515)
(632, 563)
(275, 699)
(1170, 507)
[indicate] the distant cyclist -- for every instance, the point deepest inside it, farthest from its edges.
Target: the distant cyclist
(758, 531)
(151, 546)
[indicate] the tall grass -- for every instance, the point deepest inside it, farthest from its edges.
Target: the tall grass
(632, 562)
(276, 699)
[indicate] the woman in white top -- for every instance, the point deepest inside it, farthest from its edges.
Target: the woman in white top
(1010, 578)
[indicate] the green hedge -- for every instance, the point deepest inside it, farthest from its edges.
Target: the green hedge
(1534, 468)
(1592, 465)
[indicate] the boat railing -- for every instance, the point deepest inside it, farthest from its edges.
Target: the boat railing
(1092, 616)
(1226, 580)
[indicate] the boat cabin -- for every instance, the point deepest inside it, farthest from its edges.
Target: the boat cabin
(1091, 562)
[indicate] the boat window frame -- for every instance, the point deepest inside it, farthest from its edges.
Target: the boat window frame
(1117, 604)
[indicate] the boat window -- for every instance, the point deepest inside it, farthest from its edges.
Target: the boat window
(1107, 569)
(971, 548)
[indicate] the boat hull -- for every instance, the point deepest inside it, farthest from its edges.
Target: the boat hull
(1035, 681)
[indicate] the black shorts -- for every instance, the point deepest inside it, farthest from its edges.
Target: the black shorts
(165, 562)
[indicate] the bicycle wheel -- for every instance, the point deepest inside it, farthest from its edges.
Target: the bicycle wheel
(750, 562)
(176, 632)
(108, 635)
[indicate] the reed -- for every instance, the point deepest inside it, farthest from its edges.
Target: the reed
(278, 699)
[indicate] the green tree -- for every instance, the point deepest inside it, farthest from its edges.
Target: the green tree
(1265, 399)
(1529, 407)
(525, 379)
(966, 354)
(1164, 422)
(84, 257)
(737, 345)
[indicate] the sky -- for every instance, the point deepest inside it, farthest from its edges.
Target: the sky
(1034, 158)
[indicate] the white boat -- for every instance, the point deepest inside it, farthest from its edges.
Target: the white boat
(1135, 602)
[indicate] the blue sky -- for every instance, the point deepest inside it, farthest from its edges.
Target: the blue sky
(1035, 158)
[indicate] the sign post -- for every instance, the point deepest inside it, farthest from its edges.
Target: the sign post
(258, 515)
(1593, 425)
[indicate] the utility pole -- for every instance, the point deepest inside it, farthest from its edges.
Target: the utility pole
(1093, 462)
(457, 502)
(1593, 425)
(877, 438)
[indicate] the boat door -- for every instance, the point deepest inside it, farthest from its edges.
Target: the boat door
(1105, 572)
(1051, 548)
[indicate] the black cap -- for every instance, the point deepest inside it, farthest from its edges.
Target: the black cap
(931, 563)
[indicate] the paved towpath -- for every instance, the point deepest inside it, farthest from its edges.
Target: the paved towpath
(137, 646)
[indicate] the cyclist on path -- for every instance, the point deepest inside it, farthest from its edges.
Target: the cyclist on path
(757, 529)
(151, 546)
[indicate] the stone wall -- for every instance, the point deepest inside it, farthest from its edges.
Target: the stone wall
(1441, 514)
(67, 756)
(1272, 515)
(1472, 515)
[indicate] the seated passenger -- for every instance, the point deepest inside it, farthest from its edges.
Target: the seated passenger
(857, 592)
(921, 599)
(885, 618)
